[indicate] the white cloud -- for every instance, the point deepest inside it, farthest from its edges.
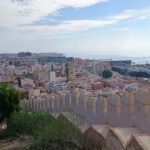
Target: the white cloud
(144, 17)
(144, 14)
(20, 12)
(125, 15)
(17, 30)
(72, 26)
(62, 29)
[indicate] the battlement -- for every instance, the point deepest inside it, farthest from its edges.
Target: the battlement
(122, 109)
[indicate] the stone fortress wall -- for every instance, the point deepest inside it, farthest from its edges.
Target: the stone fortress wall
(124, 109)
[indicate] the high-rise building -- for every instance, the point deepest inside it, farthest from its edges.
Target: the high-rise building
(52, 76)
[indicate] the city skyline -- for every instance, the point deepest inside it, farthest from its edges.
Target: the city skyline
(93, 27)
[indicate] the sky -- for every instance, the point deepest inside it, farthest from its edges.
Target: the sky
(83, 28)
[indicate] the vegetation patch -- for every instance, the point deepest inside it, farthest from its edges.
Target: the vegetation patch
(42, 131)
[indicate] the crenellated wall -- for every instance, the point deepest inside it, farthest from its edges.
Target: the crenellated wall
(125, 109)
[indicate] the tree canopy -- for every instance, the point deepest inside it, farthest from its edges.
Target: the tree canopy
(107, 74)
(139, 74)
(9, 101)
(122, 71)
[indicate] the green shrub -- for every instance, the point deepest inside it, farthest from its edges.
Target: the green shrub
(61, 134)
(43, 131)
(27, 124)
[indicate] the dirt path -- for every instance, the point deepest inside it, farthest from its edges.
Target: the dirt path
(12, 145)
